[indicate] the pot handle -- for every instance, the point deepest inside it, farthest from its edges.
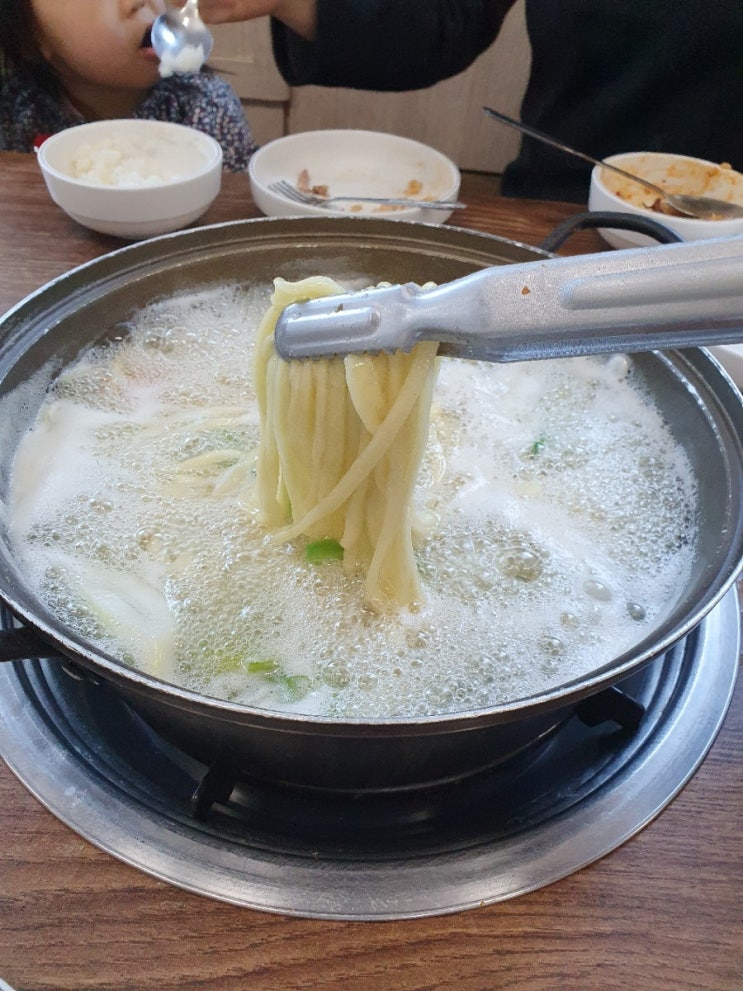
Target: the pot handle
(605, 218)
(21, 644)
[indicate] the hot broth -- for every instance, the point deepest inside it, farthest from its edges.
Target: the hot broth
(558, 522)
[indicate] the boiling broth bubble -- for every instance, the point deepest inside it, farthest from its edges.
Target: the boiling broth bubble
(597, 590)
(636, 611)
(521, 562)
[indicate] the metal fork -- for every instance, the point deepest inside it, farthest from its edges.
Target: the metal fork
(285, 188)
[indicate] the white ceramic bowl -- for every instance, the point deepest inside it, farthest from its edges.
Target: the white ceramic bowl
(362, 163)
(132, 178)
(675, 173)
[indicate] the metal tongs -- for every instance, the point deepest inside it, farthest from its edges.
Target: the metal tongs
(642, 299)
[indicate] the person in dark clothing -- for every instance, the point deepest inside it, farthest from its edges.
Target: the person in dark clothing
(607, 76)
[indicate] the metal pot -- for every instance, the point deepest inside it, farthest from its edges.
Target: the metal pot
(48, 330)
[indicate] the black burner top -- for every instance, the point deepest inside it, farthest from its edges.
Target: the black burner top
(568, 799)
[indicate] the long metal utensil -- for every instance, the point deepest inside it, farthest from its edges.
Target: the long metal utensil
(701, 207)
(643, 299)
(285, 188)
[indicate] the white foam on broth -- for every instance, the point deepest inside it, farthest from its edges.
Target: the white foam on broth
(559, 512)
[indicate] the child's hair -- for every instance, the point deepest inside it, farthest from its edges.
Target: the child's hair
(18, 47)
(16, 32)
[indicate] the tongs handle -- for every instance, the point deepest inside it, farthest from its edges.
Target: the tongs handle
(643, 299)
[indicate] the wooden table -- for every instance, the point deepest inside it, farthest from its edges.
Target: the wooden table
(662, 913)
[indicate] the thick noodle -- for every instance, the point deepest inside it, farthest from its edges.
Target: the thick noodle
(341, 442)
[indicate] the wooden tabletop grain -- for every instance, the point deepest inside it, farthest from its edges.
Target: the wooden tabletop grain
(662, 913)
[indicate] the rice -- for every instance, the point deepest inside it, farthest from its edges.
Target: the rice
(189, 59)
(122, 160)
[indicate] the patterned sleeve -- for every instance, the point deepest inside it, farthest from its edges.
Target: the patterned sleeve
(205, 101)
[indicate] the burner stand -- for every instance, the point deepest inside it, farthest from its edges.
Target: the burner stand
(562, 804)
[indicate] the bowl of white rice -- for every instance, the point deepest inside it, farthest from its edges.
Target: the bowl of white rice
(132, 178)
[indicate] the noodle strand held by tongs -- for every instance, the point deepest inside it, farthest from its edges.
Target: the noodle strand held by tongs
(341, 443)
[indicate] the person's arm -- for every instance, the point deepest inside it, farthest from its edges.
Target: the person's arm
(389, 44)
(371, 44)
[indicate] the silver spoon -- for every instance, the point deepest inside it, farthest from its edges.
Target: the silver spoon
(701, 207)
(180, 38)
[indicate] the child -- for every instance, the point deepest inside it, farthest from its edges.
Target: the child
(65, 62)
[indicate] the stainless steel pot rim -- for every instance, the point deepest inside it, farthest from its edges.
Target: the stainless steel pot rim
(198, 235)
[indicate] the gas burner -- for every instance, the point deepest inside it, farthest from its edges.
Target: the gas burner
(567, 800)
